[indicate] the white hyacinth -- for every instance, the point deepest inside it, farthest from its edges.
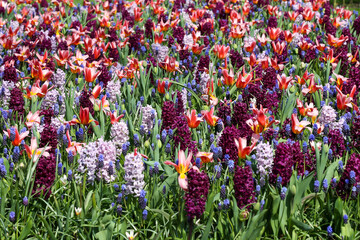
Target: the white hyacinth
(134, 176)
(120, 135)
(265, 158)
(148, 116)
(89, 157)
(327, 115)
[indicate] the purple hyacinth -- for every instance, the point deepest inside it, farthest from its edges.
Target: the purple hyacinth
(244, 186)
(195, 198)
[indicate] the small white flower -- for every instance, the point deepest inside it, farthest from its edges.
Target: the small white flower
(130, 235)
(78, 211)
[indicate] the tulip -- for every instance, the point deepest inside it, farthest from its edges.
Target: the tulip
(209, 117)
(244, 79)
(182, 167)
(193, 120)
(34, 152)
(221, 51)
(18, 137)
(244, 150)
(344, 101)
(298, 127)
(336, 42)
(84, 116)
(205, 157)
(91, 74)
(114, 118)
(284, 81)
(228, 77)
(31, 119)
(73, 147)
(312, 88)
(261, 122)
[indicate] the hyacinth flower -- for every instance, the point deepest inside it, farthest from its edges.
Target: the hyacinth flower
(297, 126)
(343, 101)
(34, 152)
(84, 118)
(182, 167)
(32, 118)
(192, 119)
(73, 147)
(221, 51)
(243, 149)
(210, 118)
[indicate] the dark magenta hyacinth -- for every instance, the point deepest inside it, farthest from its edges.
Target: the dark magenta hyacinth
(244, 187)
(353, 164)
(196, 196)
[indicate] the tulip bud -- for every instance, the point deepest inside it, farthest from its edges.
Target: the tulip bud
(159, 143)
(257, 206)
(244, 215)
(155, 70)
(96, 108)
(147, 144)
(293, 190)
(167, 96)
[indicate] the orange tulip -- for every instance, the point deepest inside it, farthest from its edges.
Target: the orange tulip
(210, 118)
(221, 51)
(244, 150)
(205, 157)
(193, 120)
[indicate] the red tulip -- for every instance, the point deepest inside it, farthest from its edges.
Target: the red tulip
(210, 118)
(193, 120)
(90, 74)
(344, 101)
(243, 149)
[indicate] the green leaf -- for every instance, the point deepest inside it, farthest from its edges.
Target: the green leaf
(205, 236)
(25, 232)
(301, 225)
(163, 213)
(102, 235)
(256, 225)
(48, 228)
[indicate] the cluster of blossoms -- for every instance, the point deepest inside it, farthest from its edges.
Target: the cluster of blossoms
(230, 94)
